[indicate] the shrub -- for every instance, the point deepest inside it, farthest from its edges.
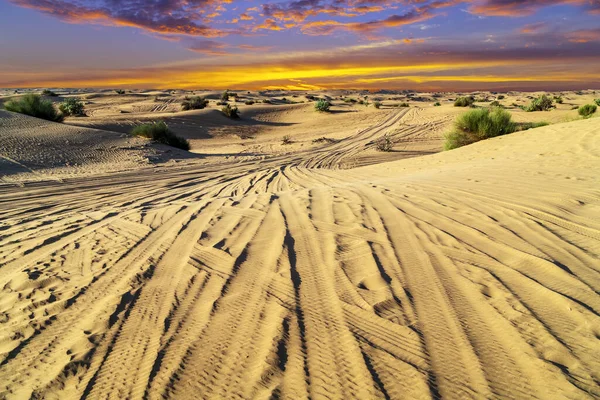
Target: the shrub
(587, 110)
(119, 91)
(72, 106)
(403, 105)
(597, 101)
(35, 106)
(267, 101)
(194, 103)
(49, 93)
(464, 102)
(500, 97)
(159, 132)
(225, 96)
(437, 104)
(361, 102)
(530, 125)
(542, 103)
(377, 104)
(249, 102)
(322, 106)
(495, 103)
(384, 143)
(287, 139)
(558, 99)
(231, 112)
(477, 125)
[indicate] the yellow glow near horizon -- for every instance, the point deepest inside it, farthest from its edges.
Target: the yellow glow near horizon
(299, 77)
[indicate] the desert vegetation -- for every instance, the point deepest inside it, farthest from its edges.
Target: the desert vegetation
(230, 111)
(35, 106)
(464, 102)
(72, 107)
(160, 133)
(377, 104)
(119, 91)
(322, 105)
(249, 102)
(597, 101)
(542, 103)
(384, 143)
(479, 124)
(194, 103)
(49, 93)
(587, 110)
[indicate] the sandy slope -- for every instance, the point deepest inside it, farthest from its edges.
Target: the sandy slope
(33, 149)
(467, 274)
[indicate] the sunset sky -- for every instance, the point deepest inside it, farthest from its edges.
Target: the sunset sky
(305, 44)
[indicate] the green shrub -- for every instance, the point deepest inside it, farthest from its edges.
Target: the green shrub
(72, 106)
(437, 104)
(322, 106)
(249, 102)
(530, 125)
(597, 101)
(404, 105)
(49, 93)
(194, 103)
(384, 143)
(542, 103)
(267, 101)
(558, 99)
(35, 106)
(377, 104)
(587, 110)
(464, 102)
(225, 96)
(495, 103)
(159, 132)
(287, 139)
(231, 112)
(501, 97)
(477, 125)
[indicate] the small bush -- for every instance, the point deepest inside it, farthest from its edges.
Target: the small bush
(477, 125)
(404, 105)
(587, 110)
(361, 102)
(72, 106)
(231, 112)
(194, 103)
(287, 139)
(377, 104)
(542, 103)
(119, 91)
(495, 103)
(249, 102)
(49, 93)
(464, 102)
(159, 132)
(322, 106)
(558, 99)
(437, 104)
(500, 97)
(267, 101)
(35, 106)
(530, 125)
(597, 101)
(225, 96)
(384, 143)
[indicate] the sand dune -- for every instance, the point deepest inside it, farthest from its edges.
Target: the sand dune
(467, 274)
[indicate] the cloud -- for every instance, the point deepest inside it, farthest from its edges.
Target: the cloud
(583, 36)
(209, 47)
(182, 17)
(520, 8)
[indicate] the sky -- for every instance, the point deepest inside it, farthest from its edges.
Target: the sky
(429, 45)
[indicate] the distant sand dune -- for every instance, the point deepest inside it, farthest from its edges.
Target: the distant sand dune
(472, 273)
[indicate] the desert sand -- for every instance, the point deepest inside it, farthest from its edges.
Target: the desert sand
(322, 268)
